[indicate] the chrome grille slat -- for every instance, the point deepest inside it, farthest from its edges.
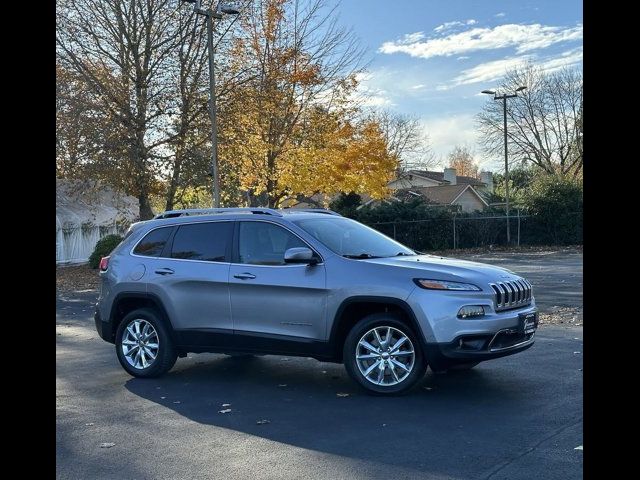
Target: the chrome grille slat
(512, 294)
(505, 294)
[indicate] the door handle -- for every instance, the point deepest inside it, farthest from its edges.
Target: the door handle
(165, 271)
(244, 276)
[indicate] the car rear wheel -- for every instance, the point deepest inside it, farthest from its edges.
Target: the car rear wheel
(383, 355)
(143, 344)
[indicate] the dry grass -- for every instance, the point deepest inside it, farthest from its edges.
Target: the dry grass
(76, 278)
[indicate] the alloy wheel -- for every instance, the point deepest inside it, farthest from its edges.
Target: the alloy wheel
(385, 356)
(140, 343)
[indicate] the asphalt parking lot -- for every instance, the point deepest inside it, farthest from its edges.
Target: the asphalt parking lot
(518, 417)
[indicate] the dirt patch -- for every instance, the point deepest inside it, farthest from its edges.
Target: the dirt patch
(567, 316)
(77, 278)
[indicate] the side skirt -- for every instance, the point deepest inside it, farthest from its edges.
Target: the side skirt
(222, 341)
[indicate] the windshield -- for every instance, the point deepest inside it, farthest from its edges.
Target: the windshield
(352, 239)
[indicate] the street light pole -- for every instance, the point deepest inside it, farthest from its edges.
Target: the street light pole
(506, 155)
(212, 112)
(210, 15)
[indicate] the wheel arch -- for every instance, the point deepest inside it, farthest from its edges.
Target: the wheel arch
(353, 309)
(126, 302)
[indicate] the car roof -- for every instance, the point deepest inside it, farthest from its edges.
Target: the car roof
(189, 216)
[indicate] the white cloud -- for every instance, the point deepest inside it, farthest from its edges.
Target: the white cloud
(523, 38)
(494, 70)
(449, 25)
(410, 38)
(368, 95)
(568, 58)
(418, 87)
(446, 132)
(463, 57)
(500, 15)
(488, 71)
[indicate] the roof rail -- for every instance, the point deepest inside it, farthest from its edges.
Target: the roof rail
(216, 211)
(311, 210)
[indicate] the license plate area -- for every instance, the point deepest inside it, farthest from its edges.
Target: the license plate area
(528, 322)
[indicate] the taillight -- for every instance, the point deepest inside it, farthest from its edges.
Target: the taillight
(104, 264)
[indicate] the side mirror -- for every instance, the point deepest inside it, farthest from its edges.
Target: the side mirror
(300, 255)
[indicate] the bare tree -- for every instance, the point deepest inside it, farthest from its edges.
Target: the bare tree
(405, 139)
(544, 122)
(122, 50)
(461, 158)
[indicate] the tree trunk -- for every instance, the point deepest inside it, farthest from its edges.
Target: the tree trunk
(145, 206)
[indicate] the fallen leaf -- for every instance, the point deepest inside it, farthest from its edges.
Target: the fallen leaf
(576, 353)
(225, 405)
(262, 422)
(342, 394)
(579, 447)
(162, 398)
(226, 410)
(107, 445)
(89, 424)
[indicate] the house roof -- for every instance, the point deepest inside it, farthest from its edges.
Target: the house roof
(439, 177)
(442, 194)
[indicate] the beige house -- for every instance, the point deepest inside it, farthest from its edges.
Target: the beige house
(443, 188)
(438, 188)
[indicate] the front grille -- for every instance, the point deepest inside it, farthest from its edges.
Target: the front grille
(512, 294)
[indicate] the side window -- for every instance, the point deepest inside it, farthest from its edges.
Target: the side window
(202, 241)
(263, 243)
(153, 243)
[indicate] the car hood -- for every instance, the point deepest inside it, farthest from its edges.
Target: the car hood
(443, 268)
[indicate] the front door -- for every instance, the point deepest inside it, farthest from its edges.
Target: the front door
(269, 296)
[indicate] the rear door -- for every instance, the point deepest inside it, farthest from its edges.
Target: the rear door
(269, 296)
(191, 278)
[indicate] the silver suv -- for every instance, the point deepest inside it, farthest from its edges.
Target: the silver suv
(309, 283)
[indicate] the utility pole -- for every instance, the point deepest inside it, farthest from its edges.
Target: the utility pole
(210, 15)
(506, 155)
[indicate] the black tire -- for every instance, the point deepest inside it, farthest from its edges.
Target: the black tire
(166, 354)
(351, 343)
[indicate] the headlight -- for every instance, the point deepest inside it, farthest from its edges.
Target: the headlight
(446, 285)
(470, 311)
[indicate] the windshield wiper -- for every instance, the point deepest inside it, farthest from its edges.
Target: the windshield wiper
(360, 256)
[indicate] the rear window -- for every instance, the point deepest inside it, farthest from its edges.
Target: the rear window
(202, 241)
(153, 243)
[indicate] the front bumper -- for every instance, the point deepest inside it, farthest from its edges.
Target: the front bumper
(484, 347)
(449, 340)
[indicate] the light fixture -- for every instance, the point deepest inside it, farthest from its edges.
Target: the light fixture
(470, 311)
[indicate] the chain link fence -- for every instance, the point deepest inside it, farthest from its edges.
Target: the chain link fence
(460, 231)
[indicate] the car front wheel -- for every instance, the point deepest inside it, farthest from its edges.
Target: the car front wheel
(383, 355)
(143, 344)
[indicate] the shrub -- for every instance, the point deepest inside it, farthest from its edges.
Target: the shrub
(555, 206)
(103, 248)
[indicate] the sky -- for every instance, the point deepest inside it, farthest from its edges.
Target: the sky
(431, 58)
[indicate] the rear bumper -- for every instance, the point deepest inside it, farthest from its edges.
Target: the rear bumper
(105, 329)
